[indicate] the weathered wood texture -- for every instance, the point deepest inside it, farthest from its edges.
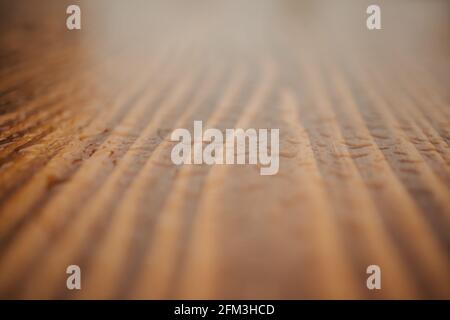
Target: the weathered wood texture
(86, 178)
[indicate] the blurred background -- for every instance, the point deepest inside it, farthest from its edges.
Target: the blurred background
(85, 170)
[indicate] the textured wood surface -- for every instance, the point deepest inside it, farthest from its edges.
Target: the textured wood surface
(85, 170)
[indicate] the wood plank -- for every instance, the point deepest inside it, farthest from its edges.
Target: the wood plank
(86, 176)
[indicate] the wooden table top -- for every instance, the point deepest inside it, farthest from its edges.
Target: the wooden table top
(85, 171)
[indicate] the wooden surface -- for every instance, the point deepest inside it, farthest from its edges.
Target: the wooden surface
(85, 170)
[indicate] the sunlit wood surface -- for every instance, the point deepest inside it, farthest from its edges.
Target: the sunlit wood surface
(85, 170)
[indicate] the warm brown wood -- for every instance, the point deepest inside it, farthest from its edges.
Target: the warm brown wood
(86, 178)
